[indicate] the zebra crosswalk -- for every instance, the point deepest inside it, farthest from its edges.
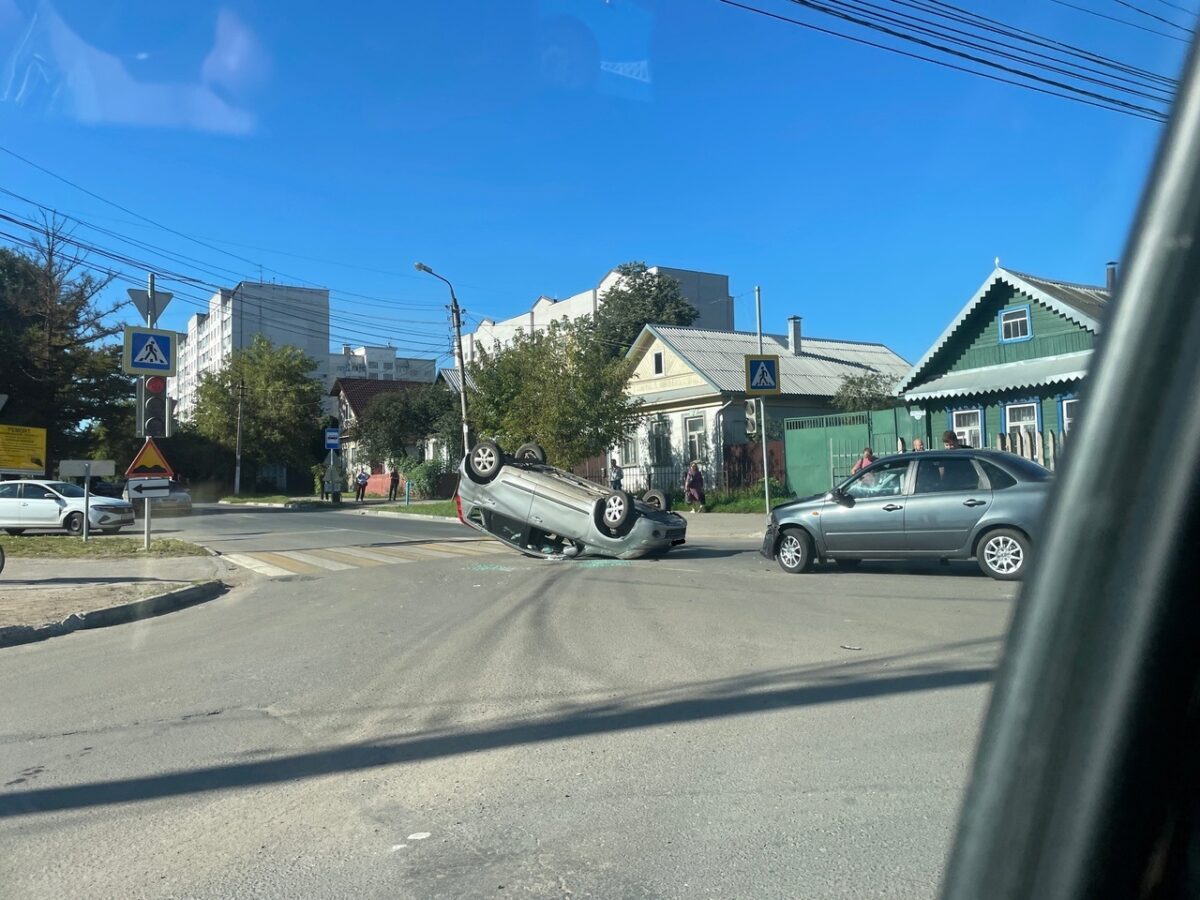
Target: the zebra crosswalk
(279, 563)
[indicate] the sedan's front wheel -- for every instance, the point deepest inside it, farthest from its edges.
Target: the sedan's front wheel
(74, 523)
(795, 552)
(484, 461)
(1003, 554)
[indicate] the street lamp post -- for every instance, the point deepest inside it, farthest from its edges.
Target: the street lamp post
(456, 318)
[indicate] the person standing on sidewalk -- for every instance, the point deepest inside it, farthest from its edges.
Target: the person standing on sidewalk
(360, 485)
(393, 484)
(615, 475)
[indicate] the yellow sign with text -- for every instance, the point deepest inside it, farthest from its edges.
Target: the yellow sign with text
(22, 450)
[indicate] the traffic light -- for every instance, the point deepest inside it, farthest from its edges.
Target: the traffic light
(154, 410)
(751, 417)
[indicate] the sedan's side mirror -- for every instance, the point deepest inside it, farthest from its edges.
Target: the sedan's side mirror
(840, 498)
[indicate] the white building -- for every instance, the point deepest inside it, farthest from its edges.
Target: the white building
(708, 292)
(282, 313)
(381, 363)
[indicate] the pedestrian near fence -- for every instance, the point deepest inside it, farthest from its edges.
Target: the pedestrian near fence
(360, 485)
(394, 484)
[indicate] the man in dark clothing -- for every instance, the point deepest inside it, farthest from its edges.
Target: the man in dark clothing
(393, 484)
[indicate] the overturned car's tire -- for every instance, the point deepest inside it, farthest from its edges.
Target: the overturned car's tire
(656, 498)
(531, 452)
(484, 462)
(614, 513)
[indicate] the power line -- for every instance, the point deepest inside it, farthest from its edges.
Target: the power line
(1184, 9)
(202, 303)
(987, 45)
(175, 277)
(970, 17)
(1138, 26)
(1110, 104)
(1158, 18)
(1091, 61)
(838, 11)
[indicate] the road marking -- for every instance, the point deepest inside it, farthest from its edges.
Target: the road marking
(312, 560)
(254, 565)
(364, 553)
(291, 566)
(418, 836)
(336, 554)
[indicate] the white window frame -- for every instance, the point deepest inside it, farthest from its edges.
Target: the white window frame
(629, 451)
(1024, 317)
(1069, 415)
(1030, 426)
(964, 431)
(658, 362)
(700, 450)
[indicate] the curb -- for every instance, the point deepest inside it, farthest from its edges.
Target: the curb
(397, 515)
(13, 635)
(291, 504)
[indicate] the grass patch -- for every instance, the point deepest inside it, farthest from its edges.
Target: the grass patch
(735, 504)
(61, 546)
(443, 508)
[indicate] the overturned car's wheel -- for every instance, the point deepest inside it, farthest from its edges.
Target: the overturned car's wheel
(484, 461)
(656, 498)
(531, 452)
(614, 513)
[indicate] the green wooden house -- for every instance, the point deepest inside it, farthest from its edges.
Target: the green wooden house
(1007, 370)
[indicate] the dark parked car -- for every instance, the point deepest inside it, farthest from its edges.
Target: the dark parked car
(954, 504)
(546, 512)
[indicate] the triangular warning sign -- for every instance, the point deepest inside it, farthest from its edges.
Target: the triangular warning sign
(150, 354)
(764, 378)
(149, 463)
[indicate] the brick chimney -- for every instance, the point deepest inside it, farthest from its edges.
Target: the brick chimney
(1110, 276)
(794, 335)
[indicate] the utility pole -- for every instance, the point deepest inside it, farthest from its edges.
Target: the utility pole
(237, 469)
(762, 402)
(151, 321)
(459, 359)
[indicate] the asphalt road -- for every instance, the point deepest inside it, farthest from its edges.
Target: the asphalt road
(700, 726)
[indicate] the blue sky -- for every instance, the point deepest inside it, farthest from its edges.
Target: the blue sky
(866, 192)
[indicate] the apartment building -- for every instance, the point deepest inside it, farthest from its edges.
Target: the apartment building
(706, 291)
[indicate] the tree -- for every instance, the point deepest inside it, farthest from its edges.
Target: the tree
(56, 362)
(281, 404)
(561, 388)
(870, 390)
(394, 421)
(639, 298)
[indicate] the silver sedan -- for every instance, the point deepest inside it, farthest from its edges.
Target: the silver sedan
(955, 504)
(546, 512)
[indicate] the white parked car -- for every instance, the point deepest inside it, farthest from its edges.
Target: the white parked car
(36, 504)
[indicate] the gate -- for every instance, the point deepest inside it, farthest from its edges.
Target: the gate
(821, 450)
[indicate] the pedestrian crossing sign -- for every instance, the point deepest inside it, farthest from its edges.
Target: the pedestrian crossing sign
(149, 351)
(762, 375)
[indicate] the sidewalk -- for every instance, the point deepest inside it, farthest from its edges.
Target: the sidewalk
(724, 525)
(36, 592)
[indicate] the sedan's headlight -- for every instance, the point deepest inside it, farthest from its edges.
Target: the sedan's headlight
(108, 508)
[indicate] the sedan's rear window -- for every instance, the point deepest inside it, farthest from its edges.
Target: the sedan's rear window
(997, 477)
(1026, 470)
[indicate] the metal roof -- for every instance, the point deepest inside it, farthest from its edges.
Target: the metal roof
(1005, 377)
(453, 381)
(719, 358)
(361, 391)
(1080, 303)
(1089, 299)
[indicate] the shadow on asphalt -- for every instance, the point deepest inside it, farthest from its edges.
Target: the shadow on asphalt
(739, 696)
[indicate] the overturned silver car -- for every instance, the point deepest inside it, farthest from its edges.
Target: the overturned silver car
(548, 513)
